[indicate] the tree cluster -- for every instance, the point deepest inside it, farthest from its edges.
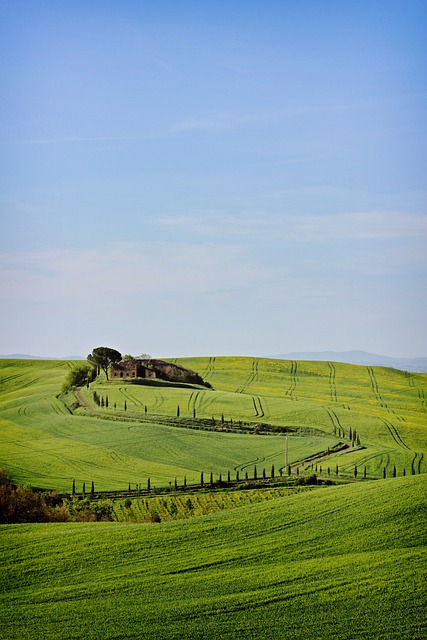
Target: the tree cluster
(102, 358)
(79, 376)
(21, 504)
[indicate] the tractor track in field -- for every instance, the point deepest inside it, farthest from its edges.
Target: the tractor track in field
(334, 419)
(422, 397)
(377, 394)
(416, 463)
(245, 465)
(129, 396)
(259, 411)
(252, 377)
(193, 402)
(210, 368)
(395, 434)
(375, 389)
(294, 380)
(332, 382)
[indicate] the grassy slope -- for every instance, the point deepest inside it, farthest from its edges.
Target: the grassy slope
(42, 443)
(343, 562)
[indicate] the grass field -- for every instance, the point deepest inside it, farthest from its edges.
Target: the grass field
(341, 562)
(43, 443)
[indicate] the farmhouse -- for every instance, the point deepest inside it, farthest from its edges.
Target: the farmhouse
(150, 368)
(132, 369)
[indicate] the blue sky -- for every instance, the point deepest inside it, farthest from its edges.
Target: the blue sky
(193, 178)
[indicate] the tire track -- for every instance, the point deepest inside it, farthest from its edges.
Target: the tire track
(259, 411)
(374, 386)
(294, 380)
(332, 382)
(210, 368)
(245, 465)
(413, 461)
(336, 423)
(252, 377)
(395, 434)
(422, 397)
(193, 401)
(377, 394)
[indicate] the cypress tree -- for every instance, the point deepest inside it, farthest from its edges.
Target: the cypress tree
(263, 474)
(176, 484)
(246, 476)
(194, 412)
(364, 471)
(84, 488)
(125, 406)
(102, 401)
(336, 470)
(185, 481)
(355, 471)
(106, 401)
(92, 489)
(148, 484)
(211, 479)
(255, 473)
(384, 473)
(177, 411)
(394, 471)
(272, 471)
(201, 479)
(145, 409)
(297, 471)
(228, 478)
(73, 490)
(222, 419)
(237, 477)
(129, 487)
(404, 471)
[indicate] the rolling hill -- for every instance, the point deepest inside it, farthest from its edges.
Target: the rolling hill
(342, 562)
(48, 440)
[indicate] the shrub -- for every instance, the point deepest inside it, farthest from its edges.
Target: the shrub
(154, 517)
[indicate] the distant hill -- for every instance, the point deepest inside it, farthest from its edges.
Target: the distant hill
(418, 365)
(25, 356)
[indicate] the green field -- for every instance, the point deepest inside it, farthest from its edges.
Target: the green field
(340, 562)
(43, 443)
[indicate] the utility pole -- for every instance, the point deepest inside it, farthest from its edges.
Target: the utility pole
(286, 456)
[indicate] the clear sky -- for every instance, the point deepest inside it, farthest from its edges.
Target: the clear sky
(212, 178)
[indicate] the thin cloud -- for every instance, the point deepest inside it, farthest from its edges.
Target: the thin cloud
(356, 226)
(78, 139)
(126, 271)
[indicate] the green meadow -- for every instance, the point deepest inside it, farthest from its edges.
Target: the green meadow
(47, 441)
(337, 562)
(345, 561)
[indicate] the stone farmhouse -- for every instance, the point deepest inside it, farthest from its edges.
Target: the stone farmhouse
(150, 368)
(131, 369)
